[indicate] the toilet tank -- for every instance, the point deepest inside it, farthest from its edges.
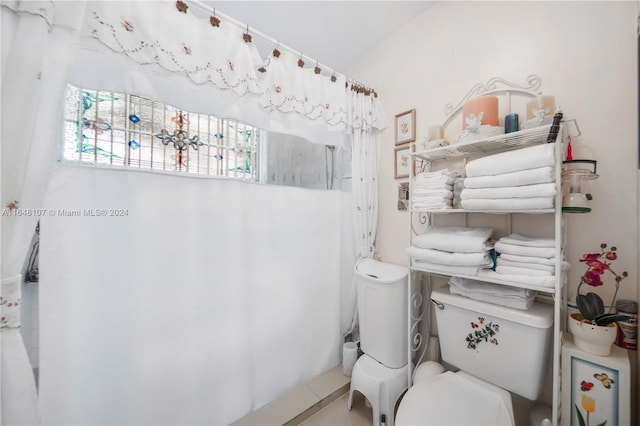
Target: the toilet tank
(382, 309)
(504, 346)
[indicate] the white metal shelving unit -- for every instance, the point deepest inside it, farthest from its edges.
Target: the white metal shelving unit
(474, 149)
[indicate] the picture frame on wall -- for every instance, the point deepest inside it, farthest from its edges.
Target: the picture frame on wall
(402, 161)
(405, 127)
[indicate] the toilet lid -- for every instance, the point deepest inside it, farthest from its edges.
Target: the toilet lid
(455, 399)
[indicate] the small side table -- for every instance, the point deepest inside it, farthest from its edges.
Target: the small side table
(595, 388)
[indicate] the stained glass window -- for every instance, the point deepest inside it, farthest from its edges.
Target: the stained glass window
(119, 129)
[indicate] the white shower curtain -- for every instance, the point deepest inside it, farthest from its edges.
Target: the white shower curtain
(208, 299)
(37, 46)
(365, 166)
(366, 122)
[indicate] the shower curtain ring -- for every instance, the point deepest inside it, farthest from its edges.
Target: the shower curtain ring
(213, 20)
(246, 36)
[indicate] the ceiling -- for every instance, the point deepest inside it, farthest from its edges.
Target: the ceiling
(334, 33)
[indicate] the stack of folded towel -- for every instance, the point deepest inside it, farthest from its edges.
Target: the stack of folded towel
(513, 297)
(433, 190)
(453, 249)
(512, 180)
(526, 260)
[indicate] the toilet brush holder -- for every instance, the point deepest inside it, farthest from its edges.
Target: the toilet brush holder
(349, 357)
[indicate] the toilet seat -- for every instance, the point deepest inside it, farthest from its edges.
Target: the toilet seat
(455, 399)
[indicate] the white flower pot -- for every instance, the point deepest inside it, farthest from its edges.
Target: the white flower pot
(591, 338)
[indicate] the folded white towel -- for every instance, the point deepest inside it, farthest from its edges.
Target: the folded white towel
(546, 252)
(524, 191)
(544, 281)
(425, 188)
(523, 240)
(498, 294)
(447, 269)
(433, 206)
(440, 180)
(510, 303)
(426, 179)
(432, 202)
(455, 239)
(442, 193)
(450, 258)
(528, 259)
(491, 289)
(441, 206)
(440, 172)
(532, 262)
(521, 177)
(517, 270)
(446, 183)
(512, 161)
(505, 262)
(508, 203)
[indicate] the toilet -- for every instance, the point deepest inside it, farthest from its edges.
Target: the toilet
(497, 350)
(381, 373)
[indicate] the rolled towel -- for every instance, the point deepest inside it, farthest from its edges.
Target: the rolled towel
(508, 203)
(512, 161)
(523, 240)
(504, 262)
(540, 281)
(546, 252)
(455, 239)
(521, 177)
(451, 258)
(516, 270)
(524, 191)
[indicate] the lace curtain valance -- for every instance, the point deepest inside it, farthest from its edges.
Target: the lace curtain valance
(164, 37)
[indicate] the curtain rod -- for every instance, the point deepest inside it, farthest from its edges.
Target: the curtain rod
(198, 4)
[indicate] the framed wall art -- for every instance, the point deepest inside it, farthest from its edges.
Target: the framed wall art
(402, 160)
(406, 127)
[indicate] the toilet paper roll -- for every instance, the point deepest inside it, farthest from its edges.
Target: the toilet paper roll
(349, 357)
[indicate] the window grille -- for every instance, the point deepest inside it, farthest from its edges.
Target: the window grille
(119, 129)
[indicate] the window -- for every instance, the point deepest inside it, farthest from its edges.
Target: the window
(122, 130)
(118, 129)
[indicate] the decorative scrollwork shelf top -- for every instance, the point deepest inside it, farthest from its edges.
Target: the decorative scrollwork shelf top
(495, 85)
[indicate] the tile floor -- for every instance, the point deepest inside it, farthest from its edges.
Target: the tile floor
(336, 413)
(299, 404)
(323, 402)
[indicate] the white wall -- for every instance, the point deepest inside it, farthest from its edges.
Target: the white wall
(585, 54)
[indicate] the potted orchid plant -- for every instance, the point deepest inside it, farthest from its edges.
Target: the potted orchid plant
(594, 328)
